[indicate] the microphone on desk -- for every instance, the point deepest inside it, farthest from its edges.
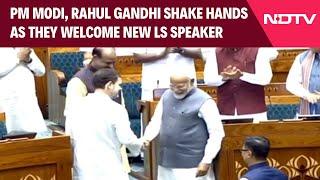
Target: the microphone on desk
(269, 99)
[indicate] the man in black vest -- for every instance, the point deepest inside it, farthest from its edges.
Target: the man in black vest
(190, 129)
(81, 84)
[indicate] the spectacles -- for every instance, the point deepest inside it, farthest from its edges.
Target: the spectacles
(244, 149)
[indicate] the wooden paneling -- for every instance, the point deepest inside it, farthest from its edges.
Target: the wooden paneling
(48, 158)
(296, 154)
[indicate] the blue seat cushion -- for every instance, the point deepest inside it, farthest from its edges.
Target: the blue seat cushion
(131, 95)
(135, 126)
(282, 111)
(3, 129)
(68, 63)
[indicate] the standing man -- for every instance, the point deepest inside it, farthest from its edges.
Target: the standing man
(304, 81)
(97, 143)
(190, 129)
(158, 63)
(254, 153)
(18, 92)
(240, 75)
(81, 84)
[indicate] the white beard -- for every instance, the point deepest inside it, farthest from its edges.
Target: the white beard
(180, 96)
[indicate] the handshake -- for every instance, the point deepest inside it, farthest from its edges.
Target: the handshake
(231, 72)
(145, 143)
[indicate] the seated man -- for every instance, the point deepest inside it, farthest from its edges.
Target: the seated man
(254, 152)
(190, 129)
(98, 130)
(304, 81)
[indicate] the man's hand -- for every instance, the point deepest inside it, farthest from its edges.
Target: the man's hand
(145, 144)
(24, 55)
(231, 73)
(202, 169)
(313, 97)
(175, 50)
(166, 51)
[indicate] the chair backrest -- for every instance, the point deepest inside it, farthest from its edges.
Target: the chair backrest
(131, 94)
(68, 63)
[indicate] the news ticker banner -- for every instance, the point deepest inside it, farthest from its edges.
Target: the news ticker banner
(197, 23)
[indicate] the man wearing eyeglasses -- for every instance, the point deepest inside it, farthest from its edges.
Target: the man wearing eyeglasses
(190, 130)
(254, 153)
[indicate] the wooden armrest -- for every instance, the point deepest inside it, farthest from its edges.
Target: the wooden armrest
(60, 76)
(2, 116)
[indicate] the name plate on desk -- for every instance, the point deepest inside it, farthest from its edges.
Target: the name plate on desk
(236, 121)
(314, 117)
(20, 134)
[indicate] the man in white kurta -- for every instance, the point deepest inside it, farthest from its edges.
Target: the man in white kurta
(262, 76)
(98, 130)
(182, 88)
(304, 81)
(158, 63)
(17, 92)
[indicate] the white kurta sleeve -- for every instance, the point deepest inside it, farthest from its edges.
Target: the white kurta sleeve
(209, 112)
(125, 134)
(294, 80)
(10, 61)
(36, 66)
(211, 73)
(153, 128)
(263, 70)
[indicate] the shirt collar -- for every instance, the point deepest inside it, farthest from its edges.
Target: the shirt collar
(255, 166)
(101, 95)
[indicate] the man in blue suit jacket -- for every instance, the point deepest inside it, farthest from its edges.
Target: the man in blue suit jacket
(254, 152)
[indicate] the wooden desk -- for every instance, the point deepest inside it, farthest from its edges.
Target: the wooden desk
(295, 148)
(36, 159)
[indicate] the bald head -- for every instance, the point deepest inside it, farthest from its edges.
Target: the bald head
(103, 58)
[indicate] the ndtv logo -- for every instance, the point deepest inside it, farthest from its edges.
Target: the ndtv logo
(288, 18)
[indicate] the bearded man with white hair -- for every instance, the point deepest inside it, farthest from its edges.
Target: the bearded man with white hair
(190, 130)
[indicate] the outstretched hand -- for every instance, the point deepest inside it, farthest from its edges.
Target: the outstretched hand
(202, 169)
